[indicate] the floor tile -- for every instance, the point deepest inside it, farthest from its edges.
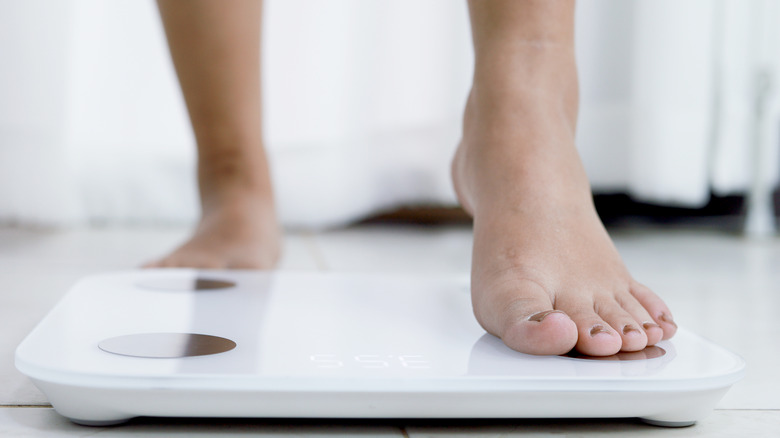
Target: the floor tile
(720, 424)
(407, 248)
(44, 422)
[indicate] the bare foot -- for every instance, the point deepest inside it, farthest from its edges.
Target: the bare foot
(238, 227)
(546, 277)
(237, 235)
(215, 47)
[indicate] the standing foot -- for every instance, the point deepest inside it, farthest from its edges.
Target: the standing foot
(546, 278)
(238, 228)
(239, 234)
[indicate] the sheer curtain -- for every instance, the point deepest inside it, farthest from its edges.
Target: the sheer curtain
(363, 103)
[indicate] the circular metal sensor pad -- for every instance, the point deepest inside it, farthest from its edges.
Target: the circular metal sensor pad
(166, 345)
(185, 284)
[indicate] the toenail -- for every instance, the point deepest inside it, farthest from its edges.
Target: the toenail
(648, 325)
(598, 328)
(629, 328)
(667, 319)
(538, 317)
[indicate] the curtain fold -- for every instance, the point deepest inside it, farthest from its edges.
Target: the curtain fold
(363, 102)
(671, 101)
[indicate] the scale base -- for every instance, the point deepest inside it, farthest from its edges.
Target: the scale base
(249, 344)
(109, 407)
(668, 424)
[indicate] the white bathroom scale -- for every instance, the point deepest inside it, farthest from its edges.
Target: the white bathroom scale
(187, 343)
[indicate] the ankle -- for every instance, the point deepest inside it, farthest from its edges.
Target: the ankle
(519, 150)
(234, 171)
(515, 64)
(240, 213)
(526, 82)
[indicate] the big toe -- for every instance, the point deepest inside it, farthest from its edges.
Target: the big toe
(548, 332)
(527, 322)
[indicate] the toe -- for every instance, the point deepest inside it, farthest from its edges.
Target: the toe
(524, 318)
(596, 337)
(653, 331)
(632, 334)
(656, 308)
(547, 332)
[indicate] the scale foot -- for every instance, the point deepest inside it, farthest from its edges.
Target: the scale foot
(99, 423)
(668, 423)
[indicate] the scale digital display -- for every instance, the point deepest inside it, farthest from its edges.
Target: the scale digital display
(371, 361)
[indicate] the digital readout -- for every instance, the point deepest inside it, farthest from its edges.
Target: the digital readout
(369, 361)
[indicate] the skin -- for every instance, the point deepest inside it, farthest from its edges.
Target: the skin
(546, 277)
(215, 46)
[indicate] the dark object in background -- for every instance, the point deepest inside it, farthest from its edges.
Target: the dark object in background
(618, 210)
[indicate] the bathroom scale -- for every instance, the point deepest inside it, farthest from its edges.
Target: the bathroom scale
(189, 343)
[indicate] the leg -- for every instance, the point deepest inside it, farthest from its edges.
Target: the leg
(546, 277)
(216, 51)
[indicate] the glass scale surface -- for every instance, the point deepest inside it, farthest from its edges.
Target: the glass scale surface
(186, 343)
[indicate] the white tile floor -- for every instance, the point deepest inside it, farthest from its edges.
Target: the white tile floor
(717, 284)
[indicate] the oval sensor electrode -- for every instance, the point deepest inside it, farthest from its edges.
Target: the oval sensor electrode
(166, 345)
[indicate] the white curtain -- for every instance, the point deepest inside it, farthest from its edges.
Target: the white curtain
(363, 101)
